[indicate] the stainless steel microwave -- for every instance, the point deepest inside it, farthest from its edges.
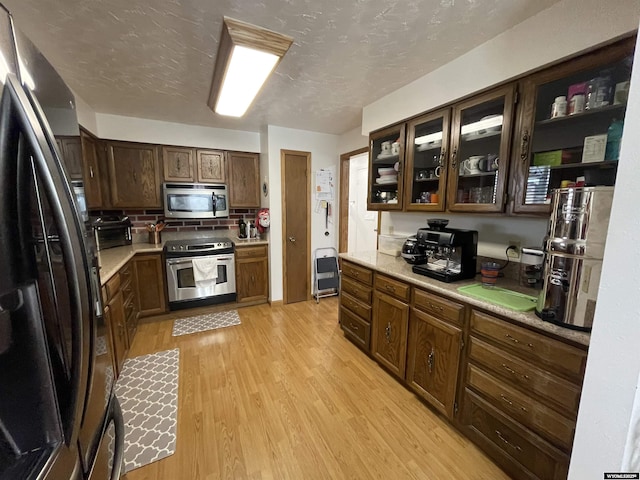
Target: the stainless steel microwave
(195, 200)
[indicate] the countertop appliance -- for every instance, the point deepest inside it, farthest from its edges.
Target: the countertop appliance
(574, 247)
(184, 288)
(195, 200)
(59, 418)
(111, 231)
(450, 253)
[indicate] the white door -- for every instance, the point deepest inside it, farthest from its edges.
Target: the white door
(362, 223)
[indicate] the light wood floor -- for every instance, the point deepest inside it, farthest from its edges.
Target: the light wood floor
(285, 396)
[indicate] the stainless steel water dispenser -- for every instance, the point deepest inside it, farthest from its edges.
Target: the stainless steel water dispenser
(574, 248)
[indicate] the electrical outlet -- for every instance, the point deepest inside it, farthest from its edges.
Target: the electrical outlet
(515, 251)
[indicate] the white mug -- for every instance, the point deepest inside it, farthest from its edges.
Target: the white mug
(386, 147)
(395, 148)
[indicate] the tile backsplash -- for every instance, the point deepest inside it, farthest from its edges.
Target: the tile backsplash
(140, 218)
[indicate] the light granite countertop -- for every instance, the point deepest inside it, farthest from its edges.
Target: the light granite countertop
(398, 268)
(112, 260)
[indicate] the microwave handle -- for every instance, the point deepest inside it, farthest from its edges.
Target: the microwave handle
(215, 201)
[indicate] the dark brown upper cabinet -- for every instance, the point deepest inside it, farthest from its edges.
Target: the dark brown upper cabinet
(425, 178)
(92, 173)
(479, 155)
(71, 150)
(553, 150)
(244, 179)
(178, 164)
(134, 175)
(386, 169)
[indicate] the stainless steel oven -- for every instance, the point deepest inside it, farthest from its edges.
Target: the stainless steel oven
(184, 287)
(195, 200)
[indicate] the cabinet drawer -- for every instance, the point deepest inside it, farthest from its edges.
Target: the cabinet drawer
(359, 291)
(361, 274)
(127, 290)
(113, 285)
(392, 287)
(359, 308)
(355, 328)
(518, 450)
(251, 252)
(438, 306)
(553, 353)
(126, 273)
(526, 376)
(523, 408)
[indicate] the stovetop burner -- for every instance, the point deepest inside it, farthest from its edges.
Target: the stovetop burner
(198, 246)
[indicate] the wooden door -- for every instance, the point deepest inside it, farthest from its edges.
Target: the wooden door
(150, 284)
(252, 279)
(115, 320)
(296, 225)
(244, 180)
(91, 172)
(71, 150)
(434, 356)
(134, 174)
(178, 164)
(210, 166)
(389, 332)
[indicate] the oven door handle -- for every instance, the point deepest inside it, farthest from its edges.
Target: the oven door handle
(178, 261)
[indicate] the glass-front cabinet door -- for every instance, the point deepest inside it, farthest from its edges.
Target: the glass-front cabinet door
(480, 152)
(386, 162)
(570, 126)
(425, 177)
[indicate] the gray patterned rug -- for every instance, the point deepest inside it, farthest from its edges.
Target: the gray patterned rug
(148, 393)
(202, 323)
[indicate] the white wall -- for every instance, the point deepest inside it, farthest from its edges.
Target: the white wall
(562, 30)
(323, 148)
(609, 395)
(86, 115)
(352, 140)
(116, 127)
(494, 232)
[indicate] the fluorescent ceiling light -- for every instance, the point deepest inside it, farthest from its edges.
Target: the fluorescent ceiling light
(246, 57)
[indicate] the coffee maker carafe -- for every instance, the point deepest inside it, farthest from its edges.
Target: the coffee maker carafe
(450, 253)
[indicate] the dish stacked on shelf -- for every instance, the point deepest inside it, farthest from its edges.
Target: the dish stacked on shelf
(387, 176)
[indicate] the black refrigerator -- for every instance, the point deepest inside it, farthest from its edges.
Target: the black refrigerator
(59, 418)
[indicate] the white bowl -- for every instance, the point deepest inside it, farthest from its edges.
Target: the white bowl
(386, 171)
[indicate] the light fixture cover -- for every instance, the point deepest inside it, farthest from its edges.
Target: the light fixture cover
(247, 55)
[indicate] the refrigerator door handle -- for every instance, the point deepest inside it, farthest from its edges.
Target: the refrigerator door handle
(52, 174)
(118, 423)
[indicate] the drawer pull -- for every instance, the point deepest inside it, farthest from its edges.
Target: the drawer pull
(513, 372)
(516, 447)
(353, 326)
(356, 274)
(435, 307)
(515, 340)
(387, 332)
(505, 399)
(430, 360)
(390, 288)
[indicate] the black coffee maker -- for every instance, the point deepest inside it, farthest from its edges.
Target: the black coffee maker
(450, 253)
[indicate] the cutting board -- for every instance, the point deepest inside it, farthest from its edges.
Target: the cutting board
(501, 296)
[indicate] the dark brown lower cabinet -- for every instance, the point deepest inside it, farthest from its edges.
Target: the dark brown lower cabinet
(252, 274)
(389, 332)
(520, 452)
(434, 357)
(116, 322)
(150, 284)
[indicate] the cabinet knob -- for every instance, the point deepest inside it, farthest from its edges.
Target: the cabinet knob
(387, 332)
(506, 442)
(292, 239)
(90, 171)
(390, 288)
(454, 160)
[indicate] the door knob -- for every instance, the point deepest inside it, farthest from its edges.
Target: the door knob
(292, 239)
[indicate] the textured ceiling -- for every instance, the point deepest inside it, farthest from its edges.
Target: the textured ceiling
(154, 59)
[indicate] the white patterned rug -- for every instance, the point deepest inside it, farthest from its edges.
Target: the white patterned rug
(148, 393)
(202, 323)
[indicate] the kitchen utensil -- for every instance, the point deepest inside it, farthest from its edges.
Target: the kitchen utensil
(501, 296)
